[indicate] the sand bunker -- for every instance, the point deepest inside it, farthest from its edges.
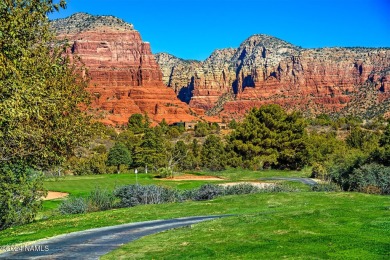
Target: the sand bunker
(51, 195)
(257, 184)
(190, 177)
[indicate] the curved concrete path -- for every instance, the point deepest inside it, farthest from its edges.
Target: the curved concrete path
(93, 243)
(306, 181)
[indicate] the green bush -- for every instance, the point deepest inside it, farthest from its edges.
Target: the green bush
(21, 189)
(100, 200)
(201, 129)
(165, 172)
(133, 195)
(371, 178)
(326, 187)
(207, 192)
(74, 205)
(242, 188)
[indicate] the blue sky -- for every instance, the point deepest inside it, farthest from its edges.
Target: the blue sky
(192, 29)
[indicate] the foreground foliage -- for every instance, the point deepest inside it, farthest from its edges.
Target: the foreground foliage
(40, 97)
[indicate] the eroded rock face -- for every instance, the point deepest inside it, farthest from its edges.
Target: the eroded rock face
(267, 70)
(124, 76)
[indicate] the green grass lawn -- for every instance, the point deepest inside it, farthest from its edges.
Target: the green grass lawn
(83, 185)
(299, 225)
(250, 175)
(296, 225)
(292, 226)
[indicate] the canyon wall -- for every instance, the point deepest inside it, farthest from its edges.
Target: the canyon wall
(124, 76)
(266, 70)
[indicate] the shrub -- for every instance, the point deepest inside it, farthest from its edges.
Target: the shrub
(100, 200)
(242, 188)
(371, 178)
(21, 188)
(207, 192)
(132, 195)
(165, 172)
(326, 187)
(74, 206)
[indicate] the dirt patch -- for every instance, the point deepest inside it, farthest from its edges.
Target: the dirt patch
(51, 195)
(190, 177)
(257, 184)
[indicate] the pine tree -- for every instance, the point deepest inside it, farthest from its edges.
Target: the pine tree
(213, 153)
(270, 137)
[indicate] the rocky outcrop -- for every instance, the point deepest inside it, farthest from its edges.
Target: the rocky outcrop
(265, 70)
(124, 76)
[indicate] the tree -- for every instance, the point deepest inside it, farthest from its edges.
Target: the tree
(152, 149)
(119, 155)
(138, 123)
(41, 92)
(201, 129)
(269, 136)
(180, 155)
(213, 153)
(364, 140)
(164, 126)
(129, 139)
(233, 124)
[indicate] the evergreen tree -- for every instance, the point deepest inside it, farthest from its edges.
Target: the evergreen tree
(213, 153)
(269, 136)
(138, 123)
(119, 155)
(152, 150)
(129, 139)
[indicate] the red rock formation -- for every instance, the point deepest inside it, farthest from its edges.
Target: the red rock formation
(124, 76)
(266, 70)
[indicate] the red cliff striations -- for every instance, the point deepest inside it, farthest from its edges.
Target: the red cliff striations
(124, 76)
(266, 70)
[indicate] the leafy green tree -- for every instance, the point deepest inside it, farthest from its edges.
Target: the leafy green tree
(382, 154)
(119, 155)
(269, 136)
(201, 129)
(321, 147)
(364, 140)
(21, 189)
(129, 139)
(41, 92)
(213, 153)
(385, 138)
(173, 132)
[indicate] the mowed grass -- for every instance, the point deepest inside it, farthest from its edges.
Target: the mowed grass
(299, 225)
(83, 185)
(234, 174)
(292, 226)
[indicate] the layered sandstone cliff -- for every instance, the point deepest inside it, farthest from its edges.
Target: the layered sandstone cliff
(124, 76)
(265, 70)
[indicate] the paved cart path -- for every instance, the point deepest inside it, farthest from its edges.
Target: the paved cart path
(306, 181)
(93, 243)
